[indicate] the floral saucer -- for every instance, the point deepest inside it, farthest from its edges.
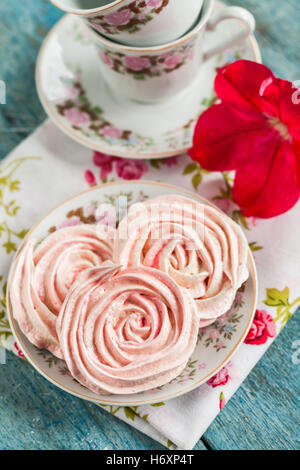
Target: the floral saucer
(76, 97)
(216, 343)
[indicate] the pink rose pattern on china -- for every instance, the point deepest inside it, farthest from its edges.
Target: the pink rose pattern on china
(147, 66)
(137, 63)
(88, 119)
(130, 18)
(91, 214)
(76, 117)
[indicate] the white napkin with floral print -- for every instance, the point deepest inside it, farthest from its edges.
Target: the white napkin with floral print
(48, 167)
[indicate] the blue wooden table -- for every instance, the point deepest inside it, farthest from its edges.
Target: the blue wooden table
(264, 413)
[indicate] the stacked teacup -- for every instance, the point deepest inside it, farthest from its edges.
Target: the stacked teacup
(151, 50)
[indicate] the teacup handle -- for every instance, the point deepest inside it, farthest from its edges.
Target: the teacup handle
(228, 13)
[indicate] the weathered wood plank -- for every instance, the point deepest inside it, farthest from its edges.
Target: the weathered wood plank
(37, 415)
(265, 411)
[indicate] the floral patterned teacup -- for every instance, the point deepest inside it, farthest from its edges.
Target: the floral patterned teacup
(155, 74)
(136, 22)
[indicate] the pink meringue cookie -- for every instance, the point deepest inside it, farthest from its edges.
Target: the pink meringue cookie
(43, 274)
(126, 331)
(201, 248)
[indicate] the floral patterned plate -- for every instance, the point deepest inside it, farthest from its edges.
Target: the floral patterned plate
(216, 344)
(79, 101)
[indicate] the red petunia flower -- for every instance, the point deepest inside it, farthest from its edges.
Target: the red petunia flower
(255, 130)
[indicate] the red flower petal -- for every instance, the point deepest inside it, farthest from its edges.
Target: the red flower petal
(225, 137)
(289, 107)
(296, 146)
(267, 185)
(290, 115)
(255, 131)
(248, 85)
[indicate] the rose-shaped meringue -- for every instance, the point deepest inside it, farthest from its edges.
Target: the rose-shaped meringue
(126, 331)
(201, 248)
(43, 274)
